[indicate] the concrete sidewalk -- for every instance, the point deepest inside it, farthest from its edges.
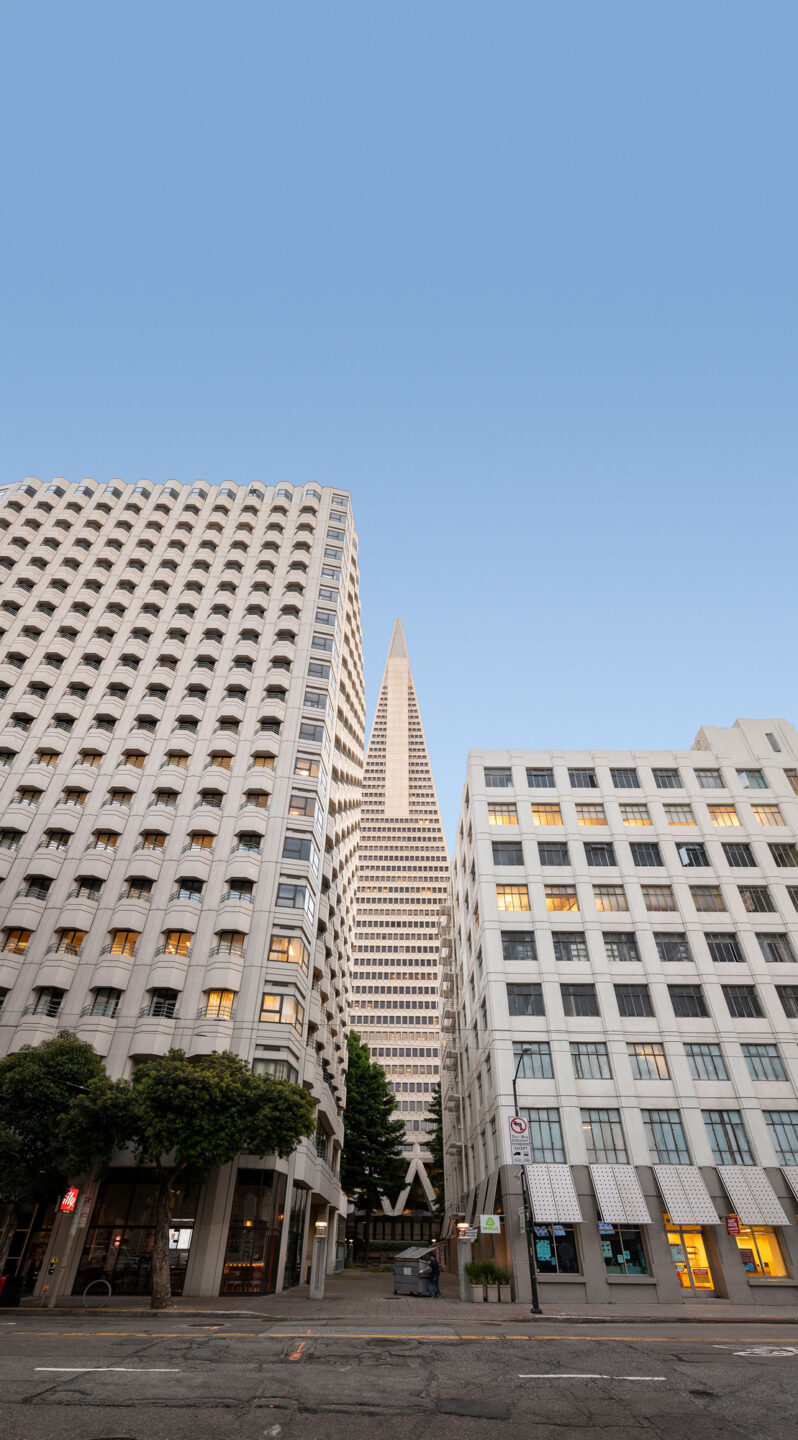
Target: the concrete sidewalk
(357, 1297)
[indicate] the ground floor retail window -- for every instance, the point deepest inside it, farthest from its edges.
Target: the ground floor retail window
(253, 1240)
(555, 1250)
(689, 1255)
(623, 1250)
(121, 1236)
(760, 1252)
(296, 1238)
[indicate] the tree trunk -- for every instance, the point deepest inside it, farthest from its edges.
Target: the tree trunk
(7, 1228)
(161, 1278)
(366, 1236)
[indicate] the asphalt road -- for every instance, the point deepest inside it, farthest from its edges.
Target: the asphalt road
(172, 1379)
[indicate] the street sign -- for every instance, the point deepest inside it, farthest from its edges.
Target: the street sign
(732, 1225)
(520, 1147)
(490, 1224)
(470, 1234)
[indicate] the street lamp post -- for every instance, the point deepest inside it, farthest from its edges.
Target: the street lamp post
(528, 1216)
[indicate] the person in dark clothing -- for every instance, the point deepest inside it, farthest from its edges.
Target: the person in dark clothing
(434, 1270)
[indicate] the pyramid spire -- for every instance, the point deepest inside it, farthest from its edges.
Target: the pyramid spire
(398, 648)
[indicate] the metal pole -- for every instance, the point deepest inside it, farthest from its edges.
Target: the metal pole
(528, 1216)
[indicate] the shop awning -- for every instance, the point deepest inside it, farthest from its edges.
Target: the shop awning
(753, 1198)
(553, 1194)
(790, 1173)
(687, 1200)
(620, 1199)
(479, 1203)
(469, 1206)
(490, 1193)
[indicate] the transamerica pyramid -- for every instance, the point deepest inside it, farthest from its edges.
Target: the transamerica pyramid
(402, 885)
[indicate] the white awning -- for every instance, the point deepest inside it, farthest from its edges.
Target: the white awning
(469, 1206)
(620, 1199)
(553, 1194)
(479, 1204)
(687, 1200)
(790, 1173)
(753, 1198)
(490, 1193)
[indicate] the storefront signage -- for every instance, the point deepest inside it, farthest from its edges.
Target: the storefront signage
(70, 1200)
(490, 1224)
(732, 1225)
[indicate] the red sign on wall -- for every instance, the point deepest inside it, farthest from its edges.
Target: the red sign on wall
(70, 1199)
(732, 1225)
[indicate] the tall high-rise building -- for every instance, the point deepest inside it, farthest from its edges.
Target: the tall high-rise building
(181, 748)
(402, 885)
(624, 948)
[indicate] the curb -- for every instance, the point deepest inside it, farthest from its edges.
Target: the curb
(623, 1318)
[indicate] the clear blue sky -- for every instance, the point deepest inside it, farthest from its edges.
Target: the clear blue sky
(522, 276)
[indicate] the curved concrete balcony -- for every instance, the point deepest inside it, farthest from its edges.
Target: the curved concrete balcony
(129, 913)
(77, 913)
(245, 863)
(97, 1031)
(206, 818)
(181, 914)
(56, 969)
(234, 914)
(18, 816)
(146, 862)
(152, 1036)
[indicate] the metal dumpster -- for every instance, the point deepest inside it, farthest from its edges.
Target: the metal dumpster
(407, 1269)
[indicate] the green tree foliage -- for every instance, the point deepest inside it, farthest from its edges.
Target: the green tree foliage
(185, 1118)
(435, 1146)
(372, 1164)
(38, 1087)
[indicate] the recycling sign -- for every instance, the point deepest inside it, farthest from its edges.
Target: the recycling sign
(490, 1224)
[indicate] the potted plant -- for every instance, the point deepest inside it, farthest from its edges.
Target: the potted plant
(505, 1289)
(474, 1270)
(490, 1275)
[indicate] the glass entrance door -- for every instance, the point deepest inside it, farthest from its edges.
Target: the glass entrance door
(689, 1255)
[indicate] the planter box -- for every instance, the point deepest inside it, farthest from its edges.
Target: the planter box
(506, 1294)
(493, 1294)
(477, 1294)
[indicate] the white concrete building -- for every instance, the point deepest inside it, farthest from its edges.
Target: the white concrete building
(625, 935)
(181, 743)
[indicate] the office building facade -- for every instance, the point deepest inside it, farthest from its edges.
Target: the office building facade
(402, 886)
(624, 939)
(181, 760)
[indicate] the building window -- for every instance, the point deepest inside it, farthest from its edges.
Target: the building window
(688, 1002)
(123, 942)
(792, 776)
(679, 815)
(776, 948)
(582, 779)
(673, 947)
(590, 1060)
(610, 897)
(508, 852)
(502, 814)
(788, 995)
(785, 855)
(525, 999)
(739, 854)
(161, 1004)
(743, 1002)
(665, 1137)
(707, 898)
(658, 897)
(579, 999)
(757, 899)
(645, 852)
(767, 815)
(498, 778)
(752, 780)
(569, 945)
(294, 897)
(621, 945)
(546, 815)
(48, 1001)
(633, 1001)
(555, 1250)
(709, 779)
(540, 779)
(561, 897)
(104, 1002)
(724, 947)
(783, 1127)
(282, 1010)
(291, 949)
(760, 1252)
(218, 1004)
(623, 1249)
(600, 854)
(552, 852)
(647, 1060)
(693, 856)
(519, 945)
(667, 779)
(624, 778)
(706, 1062)
(603, 1134)
(545, 1136)
(764, 1063)
(635, 815)
(535, 1059)
(590, 815)
(727, 1137)
(792, 891)
(723, 816)
(512, 897)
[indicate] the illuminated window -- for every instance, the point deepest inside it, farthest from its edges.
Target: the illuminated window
(561, 897)
(767, 815)
(300, 804)
(15, 942)
(151, 840)
(282, 1010)
(679, 815)
(219, 1004)
(219, 761)
(723, 815)
(647, 1060)
(289, 948)
(306, 766)
(635, 815)
(502, 814)
(546, 815)
(590, 815)
(610, 897)
(512, 897)
(177, 942)
(760, 1252)
(123, 942)
(199, 840)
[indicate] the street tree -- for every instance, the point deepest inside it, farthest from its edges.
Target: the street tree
(39, 1085)
(435, 1147)
(372, 1164)
(183, 1118)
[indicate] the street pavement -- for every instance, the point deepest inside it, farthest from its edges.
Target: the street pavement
(178, 1376)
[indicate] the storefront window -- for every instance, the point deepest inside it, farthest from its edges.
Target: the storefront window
(121, 1236)
(760, 1253)
(555, 1250)
(689, 1255)
(253, 1240)
(623, 1250)
(296, 1236)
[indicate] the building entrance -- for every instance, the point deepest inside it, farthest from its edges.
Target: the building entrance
(689, 1255)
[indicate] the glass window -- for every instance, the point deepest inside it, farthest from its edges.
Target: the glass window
(579, 999)
(645, 852)
(724, 947)
(621, 945)
(540, 779)
(624, 778)
(289, 948)
(498, 777)
(693, 856)
(688, 1001)
(623, 1249)
(764, 1063)
(672, 946)
(665, 1136)
(508, 852)
(743, 1002)
(792, 776)
(555, 1250)
(519, 945)
(590, 815)
(546, 815)
(525, 999)
(123, 942)
(706, 1062)
(219, 1004)
(752, 780)
(757, 899)
(502, 814)
(635, 815)
(545, 1136)
(553, 852)
(727, 1137)
(739, 855)
(707, 897)
(633, 1000)
(679, 815)
(760, 1252)
(666, 778)
(569, 945)
(776, 947)
(610, 897)
(658, 897)
(535, 1059)
(282, 1010)
(561, 897)
(512, 897)
(767, 815)
(783, 1127)
(647, 1059)
(788, 995)
(590, 1060)
(723, 816)
(582, 779)
(709, 779)
(784, 854)
(599, 854)
(603, 1134)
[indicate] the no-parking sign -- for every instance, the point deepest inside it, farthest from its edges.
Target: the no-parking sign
(520, 1147)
